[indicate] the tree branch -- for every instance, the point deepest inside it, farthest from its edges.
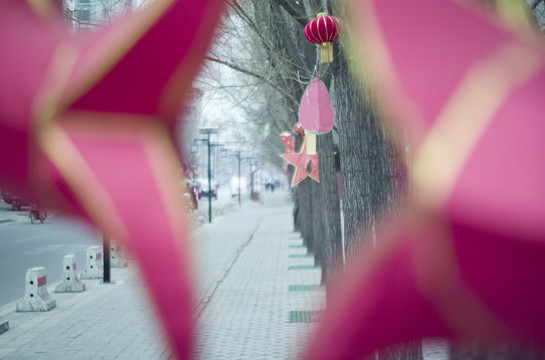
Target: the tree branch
(298, 14)
(255, 75)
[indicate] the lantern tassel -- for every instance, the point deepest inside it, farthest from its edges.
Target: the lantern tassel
(326, 53)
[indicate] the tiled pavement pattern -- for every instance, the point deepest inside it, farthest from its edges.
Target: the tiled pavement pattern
(248, 317)
(252, 274)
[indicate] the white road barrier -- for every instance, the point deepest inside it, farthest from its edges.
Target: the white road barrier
(70, 280)
(36, 296)
(94, 264)
(117, 256)
(4, 325)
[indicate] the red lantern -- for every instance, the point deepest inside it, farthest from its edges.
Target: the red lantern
(323, 30)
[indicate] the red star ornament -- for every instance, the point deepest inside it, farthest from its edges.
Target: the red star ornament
(302, 160)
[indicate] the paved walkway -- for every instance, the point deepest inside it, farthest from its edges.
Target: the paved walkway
(248, 316)
(257, 291)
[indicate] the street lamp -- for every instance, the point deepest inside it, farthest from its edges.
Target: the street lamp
(208, 131)
(237, 154)
(239, 158)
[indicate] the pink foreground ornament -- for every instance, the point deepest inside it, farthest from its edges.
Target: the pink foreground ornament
(86, 128)
(467, 261)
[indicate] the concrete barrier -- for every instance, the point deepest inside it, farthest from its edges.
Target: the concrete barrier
(70, 278)
(117, 256)
(36, 296)
(4, 325)
(94, 264)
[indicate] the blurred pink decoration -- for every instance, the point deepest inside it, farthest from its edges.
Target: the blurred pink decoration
(468, 262)
(85, 128)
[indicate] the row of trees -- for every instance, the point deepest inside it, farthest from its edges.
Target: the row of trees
(273, 54)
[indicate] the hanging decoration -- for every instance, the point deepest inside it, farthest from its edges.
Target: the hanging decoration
(315, 117)
(298, 129)
(323, 30)
(305, 162)
(288, 141)
(315, 110)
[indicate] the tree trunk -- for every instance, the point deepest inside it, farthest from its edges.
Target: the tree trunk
(372, 178)
(354, 121)
(330, 248)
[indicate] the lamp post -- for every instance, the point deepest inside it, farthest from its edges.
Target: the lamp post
(208, 131)
(106, 253)
(240, 158)
(238, 194)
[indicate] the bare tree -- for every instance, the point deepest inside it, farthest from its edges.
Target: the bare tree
(88, 15)
(280, 66)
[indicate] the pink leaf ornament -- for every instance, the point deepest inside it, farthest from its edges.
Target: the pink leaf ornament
(315, 110)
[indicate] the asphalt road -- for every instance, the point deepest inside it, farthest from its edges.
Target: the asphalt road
(24, 245)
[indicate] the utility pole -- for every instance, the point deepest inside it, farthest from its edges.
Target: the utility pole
(106, 278)
(209, 183)
(238, 195)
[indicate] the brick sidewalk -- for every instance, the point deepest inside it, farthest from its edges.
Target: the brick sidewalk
(248, 316)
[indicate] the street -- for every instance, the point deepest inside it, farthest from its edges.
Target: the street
(24, 245)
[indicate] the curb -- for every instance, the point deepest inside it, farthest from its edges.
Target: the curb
(209, 293)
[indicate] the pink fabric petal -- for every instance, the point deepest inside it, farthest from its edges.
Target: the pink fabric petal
(84, 126)
(315, 110)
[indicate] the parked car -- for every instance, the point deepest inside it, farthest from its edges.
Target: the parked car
(15, 201)
(203, 190)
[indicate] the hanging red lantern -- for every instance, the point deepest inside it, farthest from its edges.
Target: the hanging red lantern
(323, 30)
